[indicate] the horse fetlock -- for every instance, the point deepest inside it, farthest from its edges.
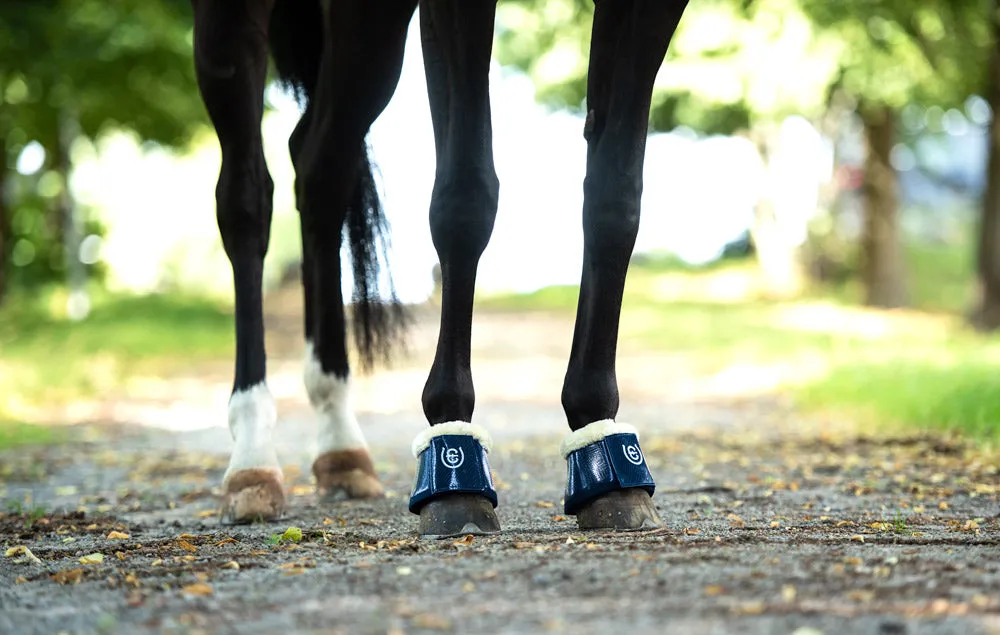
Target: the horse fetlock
(346, 474)
(255, 494)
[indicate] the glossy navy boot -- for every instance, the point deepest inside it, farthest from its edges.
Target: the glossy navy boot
(608, 484)
(453, 492)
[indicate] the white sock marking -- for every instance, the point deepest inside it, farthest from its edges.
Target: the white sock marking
(252, 418)
(331, 397)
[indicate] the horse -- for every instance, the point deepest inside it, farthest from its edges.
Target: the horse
(342, 59)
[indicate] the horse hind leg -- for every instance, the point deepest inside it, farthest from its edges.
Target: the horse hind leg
(609, 485)
(231, 62)
(343, 467)
(333, 182)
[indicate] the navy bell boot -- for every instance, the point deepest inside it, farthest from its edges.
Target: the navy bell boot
(451, 458)
(602, 457)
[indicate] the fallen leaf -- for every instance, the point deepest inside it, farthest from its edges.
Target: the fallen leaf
(207, 513)
(750, 608)
(94, 558)
(464, 541)
(714, 589)
(431, 621)
(403, 570)
(226, 541)
(544, 504)
(118, 535)
(292, 534)
(120, 555)
(523, 545)
(67, 576)
(156, 563)
(20, 579)
(25, 553)
(559, 519)
(232, 564)
(788, 593)
(301, 490)
(186, 546)
(198, 588)
(187, 537)
(857, 538)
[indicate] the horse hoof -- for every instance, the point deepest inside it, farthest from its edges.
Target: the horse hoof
(346, 474)
(253, 495)
(458, 515)
(620, 509)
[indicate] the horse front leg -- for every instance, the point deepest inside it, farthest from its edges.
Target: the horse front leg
(454, 489)
(230, 45)
(609, 485)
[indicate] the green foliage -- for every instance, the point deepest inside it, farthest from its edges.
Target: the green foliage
(726, 64)
(119, 62)
(35, 233)
(896, 51)
(92, 65)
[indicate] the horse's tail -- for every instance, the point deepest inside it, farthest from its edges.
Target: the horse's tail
(296, 41)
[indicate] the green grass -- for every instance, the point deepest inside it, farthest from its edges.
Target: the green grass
(48, 359)
(925, 370)
(15, 434)
(920, 369)
(961, 394)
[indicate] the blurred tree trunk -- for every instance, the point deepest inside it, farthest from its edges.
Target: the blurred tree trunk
(78, 306)
(779, 260)
(986, 316)
(883, 269)
(5, 227)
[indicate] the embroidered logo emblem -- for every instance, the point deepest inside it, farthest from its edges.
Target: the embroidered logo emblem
(632, 454)
(452, 457)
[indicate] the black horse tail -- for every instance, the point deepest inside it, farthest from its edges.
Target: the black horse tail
(296, 42)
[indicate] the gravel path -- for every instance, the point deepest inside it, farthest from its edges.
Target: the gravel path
(774, 524)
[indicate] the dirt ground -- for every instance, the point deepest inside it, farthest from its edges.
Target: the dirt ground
(773, 523)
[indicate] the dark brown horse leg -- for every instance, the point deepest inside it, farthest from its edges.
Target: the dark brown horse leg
(454, 491)
(609, 485)
(360, 67)
(230, 44)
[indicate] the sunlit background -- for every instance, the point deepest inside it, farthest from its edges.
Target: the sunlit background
(765, 206)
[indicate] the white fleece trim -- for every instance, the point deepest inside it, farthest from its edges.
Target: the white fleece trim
(423, 440)
(592, 433)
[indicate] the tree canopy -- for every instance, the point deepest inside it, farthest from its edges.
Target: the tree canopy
(81, 67)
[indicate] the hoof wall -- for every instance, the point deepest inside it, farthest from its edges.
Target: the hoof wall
(458, 515)
(253, 496)
(346, 474)
(620, 509)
